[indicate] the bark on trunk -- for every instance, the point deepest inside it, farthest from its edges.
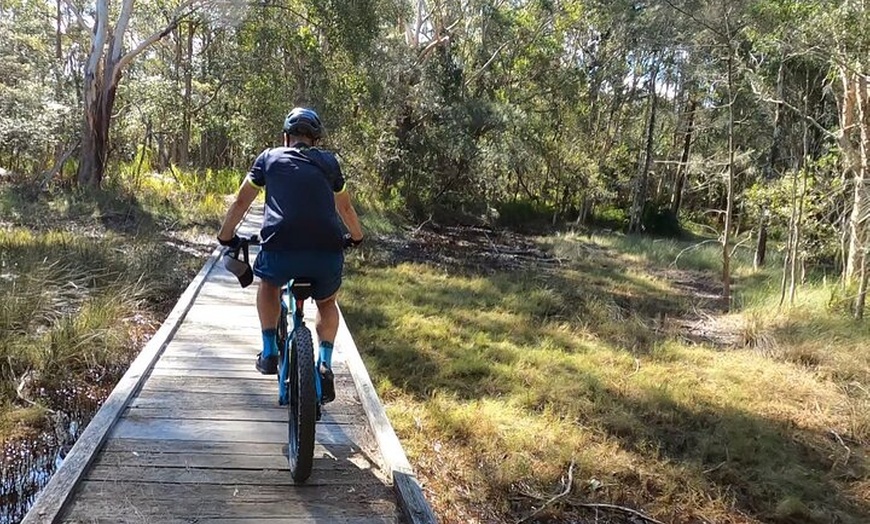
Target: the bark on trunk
(860, 211)
(640, 188)
(683, 169)
(184, 146)
(770, 169)
(729, 206)
(853, 167)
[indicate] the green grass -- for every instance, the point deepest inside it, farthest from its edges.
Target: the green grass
(496, 384)
(86, 276)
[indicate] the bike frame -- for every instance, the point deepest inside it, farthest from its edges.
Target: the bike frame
(292, 309)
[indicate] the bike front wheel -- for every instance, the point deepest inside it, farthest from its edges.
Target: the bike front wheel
(302, 406)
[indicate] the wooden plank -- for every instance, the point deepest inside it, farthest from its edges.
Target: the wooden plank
(189, 400)
(152, 502)
(145, 448)
(263, 414)
(159, 400)
(230, 363)
(334, 457)
(51, 500)
(409, 494)
(249, 374)
(324, 474)
(229, 431)
(122, 519)
(193, 384)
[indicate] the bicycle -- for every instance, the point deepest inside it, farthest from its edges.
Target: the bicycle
(298, 383)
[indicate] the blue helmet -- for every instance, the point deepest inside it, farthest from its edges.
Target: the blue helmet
(302, 121)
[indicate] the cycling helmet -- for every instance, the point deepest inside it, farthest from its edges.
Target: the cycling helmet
(302, 121)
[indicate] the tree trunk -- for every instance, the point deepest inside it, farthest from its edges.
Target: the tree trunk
(102, 72)
(729, 206)
(640, 187)
(770, 168)
(184, 146)
(860, 211)
(683, 168)
(852, 166)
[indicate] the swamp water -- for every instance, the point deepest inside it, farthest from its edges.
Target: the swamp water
(27, 463)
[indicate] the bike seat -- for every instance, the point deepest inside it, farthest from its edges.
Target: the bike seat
(301, 288)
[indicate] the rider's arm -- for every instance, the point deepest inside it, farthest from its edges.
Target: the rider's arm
(342, 200)
(251, 185)
(348, 214)
(247, 193)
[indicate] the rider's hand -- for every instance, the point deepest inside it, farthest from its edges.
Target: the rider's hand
(233, 243)
(350, 242)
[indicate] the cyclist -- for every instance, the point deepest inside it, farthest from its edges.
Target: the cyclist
(302, 234)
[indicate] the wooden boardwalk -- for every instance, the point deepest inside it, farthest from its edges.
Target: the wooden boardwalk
(201, 438)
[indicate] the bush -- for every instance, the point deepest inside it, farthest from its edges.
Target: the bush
(611, 217)
(661, 221)
(524, 215)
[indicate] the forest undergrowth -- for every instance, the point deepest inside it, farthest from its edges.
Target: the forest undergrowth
(582, 377)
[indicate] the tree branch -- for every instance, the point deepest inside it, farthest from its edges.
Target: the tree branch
(181, 12)
(696, 20)
(79, 18)
(564, 492)
(812, 121)
(117, 44)
(485, 65)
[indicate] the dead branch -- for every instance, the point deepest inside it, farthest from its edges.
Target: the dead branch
(693, 246)
(418, 228)
(546, 504)
(840, 440)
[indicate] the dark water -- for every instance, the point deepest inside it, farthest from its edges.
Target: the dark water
(27, 464)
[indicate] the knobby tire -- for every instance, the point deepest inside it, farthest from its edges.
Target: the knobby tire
(302, 407)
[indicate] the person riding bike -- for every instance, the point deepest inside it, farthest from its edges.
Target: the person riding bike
(302, 235)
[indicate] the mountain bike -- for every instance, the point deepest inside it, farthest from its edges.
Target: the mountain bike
(298, 380)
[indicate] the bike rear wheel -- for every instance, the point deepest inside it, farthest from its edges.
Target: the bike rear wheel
(302, 406)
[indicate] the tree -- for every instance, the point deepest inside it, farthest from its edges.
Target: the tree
(103, 70)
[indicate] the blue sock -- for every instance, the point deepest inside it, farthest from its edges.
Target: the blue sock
(270, 343)
(325, 354)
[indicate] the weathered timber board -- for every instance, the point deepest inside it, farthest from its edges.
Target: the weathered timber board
(201, 401)
(259, 415)
(195, 384)
(229, 431)
(132, 519)
(156, 502)
(325, 474)
(333, 457)
(144, 448)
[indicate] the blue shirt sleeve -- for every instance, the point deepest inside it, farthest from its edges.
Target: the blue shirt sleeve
(257, 174)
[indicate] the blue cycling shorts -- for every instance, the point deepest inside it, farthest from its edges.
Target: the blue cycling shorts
(323, 268)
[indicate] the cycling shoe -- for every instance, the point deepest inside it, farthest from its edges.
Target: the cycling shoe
(327, 385)
(267, 365)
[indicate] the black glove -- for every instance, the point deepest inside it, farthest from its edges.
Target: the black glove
(350, 242)
(233, 243)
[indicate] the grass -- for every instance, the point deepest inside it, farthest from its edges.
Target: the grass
(86, 277)
(498, 383)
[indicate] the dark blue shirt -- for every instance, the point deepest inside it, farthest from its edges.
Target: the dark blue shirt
(300, 183)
